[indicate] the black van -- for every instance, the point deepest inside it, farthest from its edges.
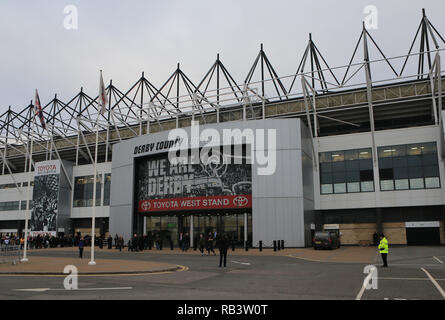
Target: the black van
(326, 240)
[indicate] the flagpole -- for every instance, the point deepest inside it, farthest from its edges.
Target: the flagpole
(93, 222)
(25, 251)
(102, 100)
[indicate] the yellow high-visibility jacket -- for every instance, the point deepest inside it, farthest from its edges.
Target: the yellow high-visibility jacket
(383, 246)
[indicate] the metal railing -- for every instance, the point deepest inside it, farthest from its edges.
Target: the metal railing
(10, 253)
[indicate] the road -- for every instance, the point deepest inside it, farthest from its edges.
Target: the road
(414, 273)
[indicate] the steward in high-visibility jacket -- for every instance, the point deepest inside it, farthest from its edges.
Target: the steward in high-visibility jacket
(383, 247)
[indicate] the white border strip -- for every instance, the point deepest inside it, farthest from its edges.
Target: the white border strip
(434, 282)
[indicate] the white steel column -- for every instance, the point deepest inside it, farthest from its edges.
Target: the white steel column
(245, 228)
(27, 212)
(191, 232)
(93, 222)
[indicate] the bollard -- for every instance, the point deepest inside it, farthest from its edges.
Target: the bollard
(274, 245)
(278, 245)
(282, 244)
(246, 245)
(233, 245)
(171, 245)
(261, 245)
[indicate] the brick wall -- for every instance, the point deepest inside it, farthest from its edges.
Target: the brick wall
(395, 232)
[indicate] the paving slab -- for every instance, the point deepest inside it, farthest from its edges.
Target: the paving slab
(38, 265)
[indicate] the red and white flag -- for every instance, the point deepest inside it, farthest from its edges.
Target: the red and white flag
(39, 111)
(102, 95)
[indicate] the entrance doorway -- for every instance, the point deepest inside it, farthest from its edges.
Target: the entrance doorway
(168, 227)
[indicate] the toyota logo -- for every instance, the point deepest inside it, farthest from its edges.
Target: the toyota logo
(240, 201)
(145, 206)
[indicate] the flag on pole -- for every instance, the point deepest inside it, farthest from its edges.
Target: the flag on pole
(102, 95)
(39, 111)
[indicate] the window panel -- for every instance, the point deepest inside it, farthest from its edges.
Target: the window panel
(338, 177)
(83, 191)
(415, 172)
(386, 185)
(431, 171)
(409, 166)
(107, 187)
(353, 176)
(431, 183)
(367, 186)
(386, 174)
(364, 154)
(338, 166)
(401, 184)
(401, 173)
(326, 167)
(339, 187)
(345, 171)
(429, 159)
(352, 165)
(325, 178)
(326, 188)
(353, 187)
(416, 183)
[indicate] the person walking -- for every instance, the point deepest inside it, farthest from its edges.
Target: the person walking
(210, 244)
(223, 244)
(110, 241)
(81, 245)
(181, 242)
(383, 247)
(202, 243)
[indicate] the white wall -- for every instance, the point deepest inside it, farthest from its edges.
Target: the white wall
(15, 195)
(400, 198)
(88, 170)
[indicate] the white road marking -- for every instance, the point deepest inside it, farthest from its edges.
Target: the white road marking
(440, 261)
(245, 263)
(80, 289)
(362, 290)
(434, 282)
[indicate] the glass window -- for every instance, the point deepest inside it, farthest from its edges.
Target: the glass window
(83, 191)
(107, 186)
(412, 166)
(346, 171)
(327, 188)
(9, 205)
(23, 204)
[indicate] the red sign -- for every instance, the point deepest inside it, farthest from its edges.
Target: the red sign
(196, 203)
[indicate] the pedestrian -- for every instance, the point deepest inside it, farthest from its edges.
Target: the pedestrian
(202, 243)
(186, 241)
(22, 242)
(210, 244)
(134, 243)
(181, 242)
(81, 245)
(120, 243)
(223, 245)
(375, 238)
(383, 247)
(110, 241)
(116, 241)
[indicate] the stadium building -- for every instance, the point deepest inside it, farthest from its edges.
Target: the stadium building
(357, 148)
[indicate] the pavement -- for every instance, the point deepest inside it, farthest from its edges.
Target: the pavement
(345, 254)
(291, 274)
(44, 265)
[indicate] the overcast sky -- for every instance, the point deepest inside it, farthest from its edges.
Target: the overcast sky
(124, 38)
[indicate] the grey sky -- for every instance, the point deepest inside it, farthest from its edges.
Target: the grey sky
(125, 38)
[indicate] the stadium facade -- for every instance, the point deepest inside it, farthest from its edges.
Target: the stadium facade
(358, 148)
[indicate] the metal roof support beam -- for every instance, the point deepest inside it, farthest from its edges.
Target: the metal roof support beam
(308, 117)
